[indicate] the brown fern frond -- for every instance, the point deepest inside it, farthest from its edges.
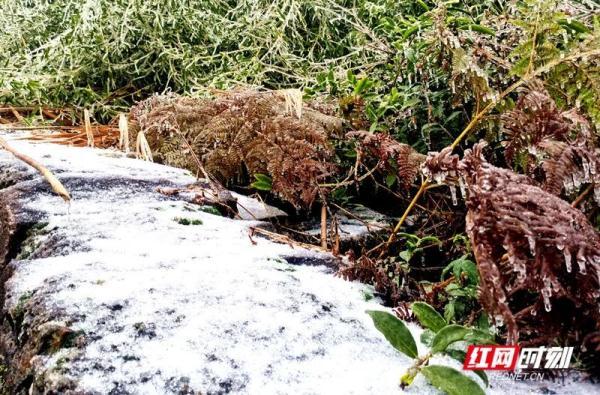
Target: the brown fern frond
(538, 258)
(391, 155)
(245, 132)
(554, 147)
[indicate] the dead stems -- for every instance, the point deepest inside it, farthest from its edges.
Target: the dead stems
(56, 185)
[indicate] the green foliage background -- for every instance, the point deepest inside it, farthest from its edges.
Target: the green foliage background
(421, 66)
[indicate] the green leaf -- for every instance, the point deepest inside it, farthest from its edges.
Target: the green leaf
(395, 332)
(477, 336)
(462, 265)
(448, 335)
(390, 180)
(362, 85)
(460, 357)
(482, 322)
(406, 255)
(482, 376)
(261, 186)
(262, 177)
(479, 28)
(450, 311)
(427, 337)
(263, 182)
(451, 381)
(428, 316)
(574, 26)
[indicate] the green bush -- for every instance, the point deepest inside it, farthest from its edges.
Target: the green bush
(112, 52)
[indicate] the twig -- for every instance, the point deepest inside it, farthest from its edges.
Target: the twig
(582, 195)
(284, 239)
(123, 133)
(56, 185)
(88, 128)
(324, 226)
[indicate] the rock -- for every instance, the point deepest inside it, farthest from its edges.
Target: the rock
(113, 294)
(357, 223)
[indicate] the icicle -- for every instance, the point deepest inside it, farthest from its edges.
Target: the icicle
(547, 304)
(463, 187)
(581, 260)
(546, 293)
(453, 193)
(521, 270)
(440, 177)
(531, 241)
(586, 170)
(498, 320)
(577, 179)
(567, 255)
(569, 185)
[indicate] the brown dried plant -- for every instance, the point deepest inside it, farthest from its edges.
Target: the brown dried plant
(555, 147)
(242, 133)
(538, 257)
(391, 156)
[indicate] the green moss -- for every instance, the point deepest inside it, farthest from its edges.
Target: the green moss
(17, 314)
(187, 221)
(32, 242)
(210, 210)
(19, 309)
(366, 295)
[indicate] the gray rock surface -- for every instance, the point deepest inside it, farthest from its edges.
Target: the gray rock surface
(114, 293)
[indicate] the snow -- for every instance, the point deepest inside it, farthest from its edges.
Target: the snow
(169, 308)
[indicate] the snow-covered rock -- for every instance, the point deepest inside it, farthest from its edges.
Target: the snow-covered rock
(130, 291)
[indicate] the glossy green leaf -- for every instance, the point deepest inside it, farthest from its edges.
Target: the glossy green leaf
(460, 357)
(477, 336)
(448, 335)
(261, 186)
(428, 316)
(462, 267)
(451, 381)
(395, 332)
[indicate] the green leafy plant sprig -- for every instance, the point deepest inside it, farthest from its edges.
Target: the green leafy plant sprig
(439, 336)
